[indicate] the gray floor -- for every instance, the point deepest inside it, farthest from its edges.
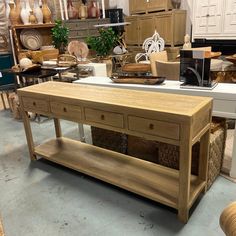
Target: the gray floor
(40, 198)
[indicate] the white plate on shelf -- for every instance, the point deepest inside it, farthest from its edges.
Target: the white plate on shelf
(31, 39)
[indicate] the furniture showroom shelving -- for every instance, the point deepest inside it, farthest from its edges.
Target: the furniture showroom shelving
(174, 119)
(43, 29)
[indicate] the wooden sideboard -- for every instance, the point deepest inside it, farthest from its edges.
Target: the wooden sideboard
(144, 6)
(175, 119)
(169, 24)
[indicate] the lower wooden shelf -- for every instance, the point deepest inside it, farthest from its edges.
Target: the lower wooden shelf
(150, 180)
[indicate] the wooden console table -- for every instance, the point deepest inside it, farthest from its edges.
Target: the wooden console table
(175, 119)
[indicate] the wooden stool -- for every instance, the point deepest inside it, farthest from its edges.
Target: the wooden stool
(228, 220)
(3, 100)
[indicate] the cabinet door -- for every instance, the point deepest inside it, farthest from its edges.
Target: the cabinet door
(164, 27)
(137, 6)
(208, 17)
(230, 17)
(156, 5)
(201, 13)
(132, 31)
(146, 27)
(214, 25)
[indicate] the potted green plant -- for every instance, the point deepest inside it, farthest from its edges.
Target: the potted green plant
(103, 45)
(104, 42)
(60, 35)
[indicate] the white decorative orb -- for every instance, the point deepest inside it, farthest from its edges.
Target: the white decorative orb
(25, 63)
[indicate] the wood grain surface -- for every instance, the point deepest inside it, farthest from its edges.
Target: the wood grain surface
(1, 228)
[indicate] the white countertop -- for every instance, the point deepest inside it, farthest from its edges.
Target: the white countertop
(221, 91)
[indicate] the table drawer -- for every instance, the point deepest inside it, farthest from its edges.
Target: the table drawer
(65, 110)
(104, 117)
(154, 127)
(35, 105)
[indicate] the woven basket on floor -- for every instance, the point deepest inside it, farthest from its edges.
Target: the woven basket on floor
(169, 155)
(108, 139)
(142, 148)
(162, 153)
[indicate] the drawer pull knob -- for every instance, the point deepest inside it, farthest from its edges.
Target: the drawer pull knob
(64, 109)
(151, 126)
(102, 117)
(34, 103)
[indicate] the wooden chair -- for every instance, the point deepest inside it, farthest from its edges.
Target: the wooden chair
(160, 56)
(228, 220)
(170, 70)
(6, 89)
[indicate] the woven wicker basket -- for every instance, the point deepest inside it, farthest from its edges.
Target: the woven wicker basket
(169, 155)
(108, 139)
(162, 153)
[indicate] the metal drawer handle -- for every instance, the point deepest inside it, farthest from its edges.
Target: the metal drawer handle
(151, 126)
(64, 109)
(102, 117)
(34, 103)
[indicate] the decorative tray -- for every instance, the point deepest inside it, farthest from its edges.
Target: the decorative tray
(130, 79)
(231, 58)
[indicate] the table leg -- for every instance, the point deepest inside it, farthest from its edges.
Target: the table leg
(59, 76)
(204, 157)
(233, 164)
(185, 159)
(3, 102)
(28, 133)
(81, 133)
(57, 126)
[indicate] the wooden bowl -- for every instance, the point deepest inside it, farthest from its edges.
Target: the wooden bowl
(215, 55)
(231, 58)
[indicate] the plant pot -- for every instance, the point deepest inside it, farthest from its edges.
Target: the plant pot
(108, 62)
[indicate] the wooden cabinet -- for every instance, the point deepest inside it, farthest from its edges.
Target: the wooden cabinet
(170, 118)
(170, 25)
(146, 27)
(81, 29)
(132, 31)
(214, 19)
(229, 25)
(137, 6)
(43, 29)
(145, 6)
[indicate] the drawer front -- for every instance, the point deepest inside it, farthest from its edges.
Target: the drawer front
(104, 117)
(154, 127)
(35, 105)
(66, 110)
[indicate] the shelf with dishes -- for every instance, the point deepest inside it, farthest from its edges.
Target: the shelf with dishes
(31, 38)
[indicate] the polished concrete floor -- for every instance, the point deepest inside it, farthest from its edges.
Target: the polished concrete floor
(41, 198)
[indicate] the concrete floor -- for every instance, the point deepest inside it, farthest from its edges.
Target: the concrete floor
(41, 198)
